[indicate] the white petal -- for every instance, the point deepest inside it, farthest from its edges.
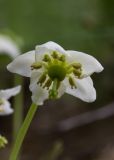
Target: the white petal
(85, 90)
(35, 75)
(5, 108)
(89, 63)
(61, 90)
(22, 64)
(8, 47)
(6, 94)
(39, 95)
(47, 48)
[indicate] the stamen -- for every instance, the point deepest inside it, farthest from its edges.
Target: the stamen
(72, 83)
(46, 58)
(77, 72)
(36, 65)
(55, 55)
(57, 69)
(42, 79)
(48, 83)
(62, 58)
(69, 69)
(76, 65)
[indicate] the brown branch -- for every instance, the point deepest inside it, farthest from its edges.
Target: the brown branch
(85, 118)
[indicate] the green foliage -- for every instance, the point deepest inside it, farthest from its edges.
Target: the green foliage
(76, 24)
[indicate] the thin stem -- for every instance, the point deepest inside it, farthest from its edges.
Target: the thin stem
(18, 108)
(22, 132)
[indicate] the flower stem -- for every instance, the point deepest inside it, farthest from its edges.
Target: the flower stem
(18, 108)
(22, 132)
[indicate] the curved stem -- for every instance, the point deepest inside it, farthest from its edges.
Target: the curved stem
(22, 132)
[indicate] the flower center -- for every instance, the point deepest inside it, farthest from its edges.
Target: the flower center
(56, 69)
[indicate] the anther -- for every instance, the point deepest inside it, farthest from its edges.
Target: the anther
(46, 58)
(62, 58)
(42, 79)
(77, 72)
(36, 65)
(76, 65)
(48, 83)
(72, 83)
(55, 55)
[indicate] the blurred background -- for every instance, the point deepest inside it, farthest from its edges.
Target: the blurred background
(66, 129)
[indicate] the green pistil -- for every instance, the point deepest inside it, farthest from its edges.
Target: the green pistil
(56, 71)
(53, 93)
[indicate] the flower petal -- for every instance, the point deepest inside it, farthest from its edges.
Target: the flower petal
(61, 90)
(22, 64)
(39, 94)
(6, 94)
(89, 63)
(8, 47)
(85, 90)
(5, 108)
(47, 48)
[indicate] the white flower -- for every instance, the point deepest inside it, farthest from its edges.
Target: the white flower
(54, 71)
(5, 106)
(8, 47)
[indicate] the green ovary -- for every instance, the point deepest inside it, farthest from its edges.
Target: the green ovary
(56, 71)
